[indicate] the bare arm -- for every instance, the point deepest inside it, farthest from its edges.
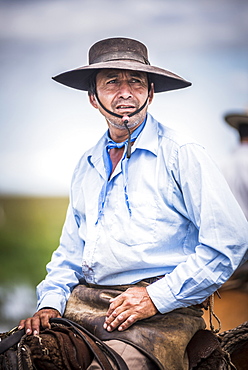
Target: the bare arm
(40, 319)
(132, 305)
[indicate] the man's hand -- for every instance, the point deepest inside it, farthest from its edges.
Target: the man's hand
(132, 305)
(40, 319)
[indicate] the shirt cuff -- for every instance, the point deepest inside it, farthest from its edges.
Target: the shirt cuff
(162, 296)
(54, 301)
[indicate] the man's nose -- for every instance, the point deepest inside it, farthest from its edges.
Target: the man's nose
(125, 90)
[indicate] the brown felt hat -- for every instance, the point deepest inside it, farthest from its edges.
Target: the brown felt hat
(236, 119)
(120, 53)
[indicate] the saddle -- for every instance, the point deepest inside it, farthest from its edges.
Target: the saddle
(205, 352)
(69, 346)
(66, 346)
(62, 347)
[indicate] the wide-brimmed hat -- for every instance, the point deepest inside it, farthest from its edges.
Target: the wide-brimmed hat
(120, 53)
(236, 119)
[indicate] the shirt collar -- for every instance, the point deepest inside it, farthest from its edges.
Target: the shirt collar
(134, 134)
(147, 140)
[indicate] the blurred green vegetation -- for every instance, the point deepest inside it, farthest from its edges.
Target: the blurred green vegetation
(30, 228)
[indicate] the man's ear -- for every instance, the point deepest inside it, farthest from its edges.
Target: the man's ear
(93, 100)
(151, 93)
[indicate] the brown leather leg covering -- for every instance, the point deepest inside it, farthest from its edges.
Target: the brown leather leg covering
(163, 338)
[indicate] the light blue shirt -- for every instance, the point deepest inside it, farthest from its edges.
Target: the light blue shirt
(183, 223)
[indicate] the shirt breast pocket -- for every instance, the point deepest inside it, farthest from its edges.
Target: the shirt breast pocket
(139, 227)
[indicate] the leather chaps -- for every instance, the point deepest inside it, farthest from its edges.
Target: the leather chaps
(162, 337)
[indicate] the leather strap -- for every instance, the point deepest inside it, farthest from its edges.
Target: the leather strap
(98, 347)
(115, 357)
(98, 353)
(10, 341)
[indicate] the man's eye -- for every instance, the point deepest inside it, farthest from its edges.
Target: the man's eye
(111, 82)
(135, 80)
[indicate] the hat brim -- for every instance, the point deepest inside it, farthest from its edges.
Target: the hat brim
(163, 80)
(235, 119)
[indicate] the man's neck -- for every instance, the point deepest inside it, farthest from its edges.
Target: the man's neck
(118, 135)
(121, 135)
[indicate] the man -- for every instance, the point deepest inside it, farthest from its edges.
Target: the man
(150, 217)
(235, 168)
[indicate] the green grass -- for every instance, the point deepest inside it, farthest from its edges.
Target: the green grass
(29, 232)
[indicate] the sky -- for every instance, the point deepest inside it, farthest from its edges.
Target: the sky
(45, 127)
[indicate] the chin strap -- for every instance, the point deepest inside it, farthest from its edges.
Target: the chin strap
(125, 119)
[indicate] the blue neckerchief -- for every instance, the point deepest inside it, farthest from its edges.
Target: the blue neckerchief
(124, 168)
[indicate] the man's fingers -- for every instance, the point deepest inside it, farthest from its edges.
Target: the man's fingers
(21, 324)
(122, 322)
(113, 314)
(117, 321)
(31, 325)
(126, 324)
(132, 305)
(45, 316)
(35, 325)
(115, 302)
(40, 319)
(44, 321)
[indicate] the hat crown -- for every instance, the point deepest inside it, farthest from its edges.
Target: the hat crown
(113, 49)
(123, 54)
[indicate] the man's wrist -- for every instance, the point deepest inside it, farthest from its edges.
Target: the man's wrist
(48, 308)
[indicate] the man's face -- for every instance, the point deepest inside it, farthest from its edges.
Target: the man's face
(122, 92)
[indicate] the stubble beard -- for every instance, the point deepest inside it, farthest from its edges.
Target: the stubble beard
(132, 122)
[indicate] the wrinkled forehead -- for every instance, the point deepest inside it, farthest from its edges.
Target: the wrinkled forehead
(120, 73)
